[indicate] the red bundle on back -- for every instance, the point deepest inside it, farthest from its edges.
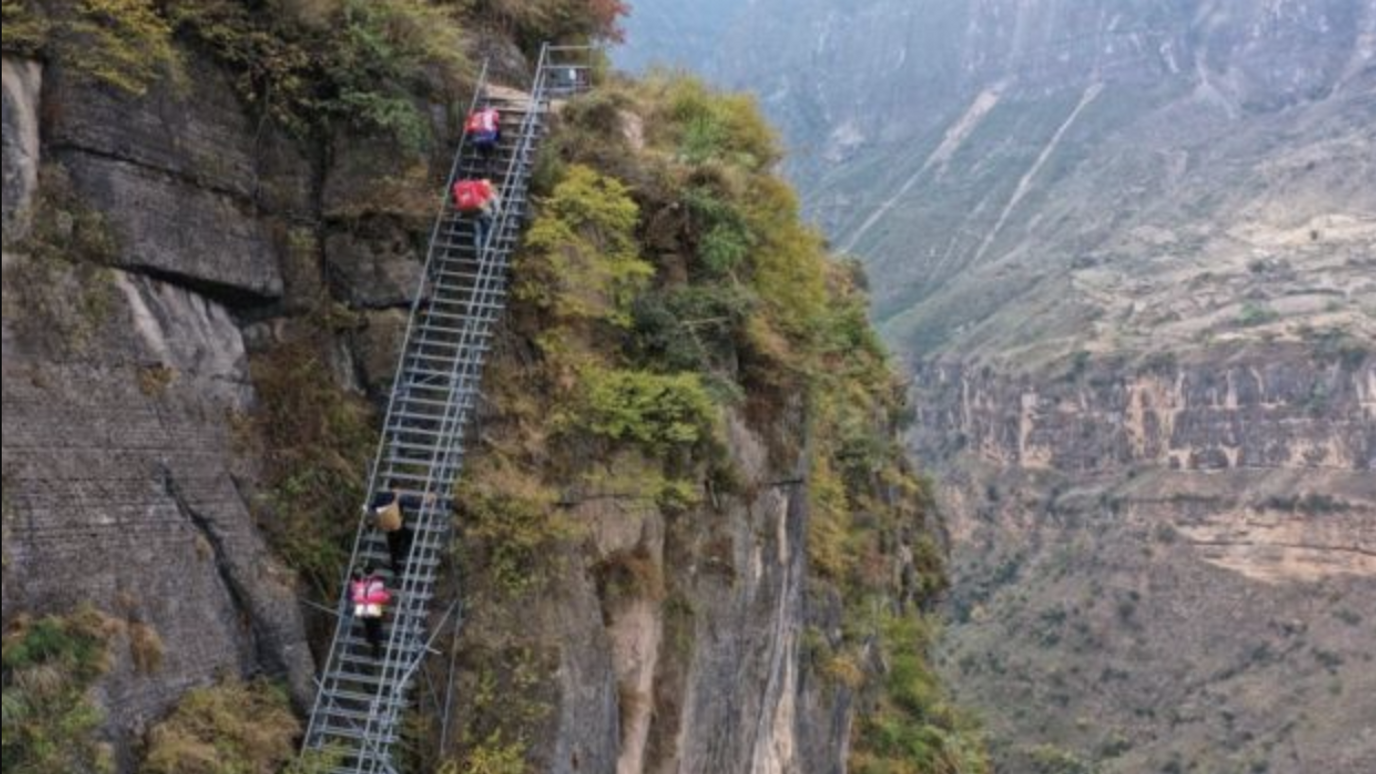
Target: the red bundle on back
(471, 195)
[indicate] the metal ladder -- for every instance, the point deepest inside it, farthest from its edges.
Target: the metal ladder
(360, 700)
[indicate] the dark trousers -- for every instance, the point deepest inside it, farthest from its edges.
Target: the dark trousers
(372, 630)
(482, 223)
(398, 546)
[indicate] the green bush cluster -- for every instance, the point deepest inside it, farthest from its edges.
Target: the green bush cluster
(656, 412)
(124, 44)
(50, 721)
(367, 64)
(913, 729)
(581, 261)
(233, 727)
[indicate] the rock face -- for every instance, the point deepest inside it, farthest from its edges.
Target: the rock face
(1284, 411)
(126, 493)
(175, 172)
(22, 81)
(123, 487)
(702, 669)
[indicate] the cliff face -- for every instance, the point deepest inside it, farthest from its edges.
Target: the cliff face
(690, 658)
(121, 383)
(1175, 566)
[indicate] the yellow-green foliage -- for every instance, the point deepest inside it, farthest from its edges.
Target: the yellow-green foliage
(580, 260)
(24, 30)
(126, 44)
(230, 728)
(704, 126)
(914, 729)
(50, 723)
(312, 65)
(316, 440)
(511, 529)
(656, 412)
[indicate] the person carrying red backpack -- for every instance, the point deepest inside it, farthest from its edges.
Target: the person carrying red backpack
(477, 198)
(484, 128)
(368, 592)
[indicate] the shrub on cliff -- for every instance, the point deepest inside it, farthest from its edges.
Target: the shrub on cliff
(124, 44)
(230, 728)
(50, 722)
(362, 63)
(667, 281)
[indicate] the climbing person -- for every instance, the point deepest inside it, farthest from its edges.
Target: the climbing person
(369, 593)
(478, 198)
(389, 512)
(484, 127)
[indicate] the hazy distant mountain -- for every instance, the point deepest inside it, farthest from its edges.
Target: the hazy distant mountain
(1128, 248)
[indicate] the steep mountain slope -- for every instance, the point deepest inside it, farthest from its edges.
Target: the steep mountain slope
(1129, 250)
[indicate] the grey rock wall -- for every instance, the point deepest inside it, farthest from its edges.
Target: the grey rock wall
(22, 82)
(125, 492)
(704, 672)
(181, 175)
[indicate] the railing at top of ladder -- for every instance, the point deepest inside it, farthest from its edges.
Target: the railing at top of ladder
(561, 71)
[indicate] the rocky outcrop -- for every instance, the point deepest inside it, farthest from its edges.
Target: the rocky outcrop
(177, 174)
(676, 641)
(22, 81)
(374, 265)
(123, 491)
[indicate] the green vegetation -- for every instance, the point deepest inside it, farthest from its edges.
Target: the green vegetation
(230, 728)
(60, 290)
(124, 44)
(913, 728)
(368, 64)
(49, 719)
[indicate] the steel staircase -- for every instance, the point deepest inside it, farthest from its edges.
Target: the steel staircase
(359, 701)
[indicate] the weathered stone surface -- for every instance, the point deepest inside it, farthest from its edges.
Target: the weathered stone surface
(123, 491)
(376, 347)
(168, 225)
(196, 130)
(1158, 548)
(714, 680)
(22, 82)
(374, 265)
(373, 176)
